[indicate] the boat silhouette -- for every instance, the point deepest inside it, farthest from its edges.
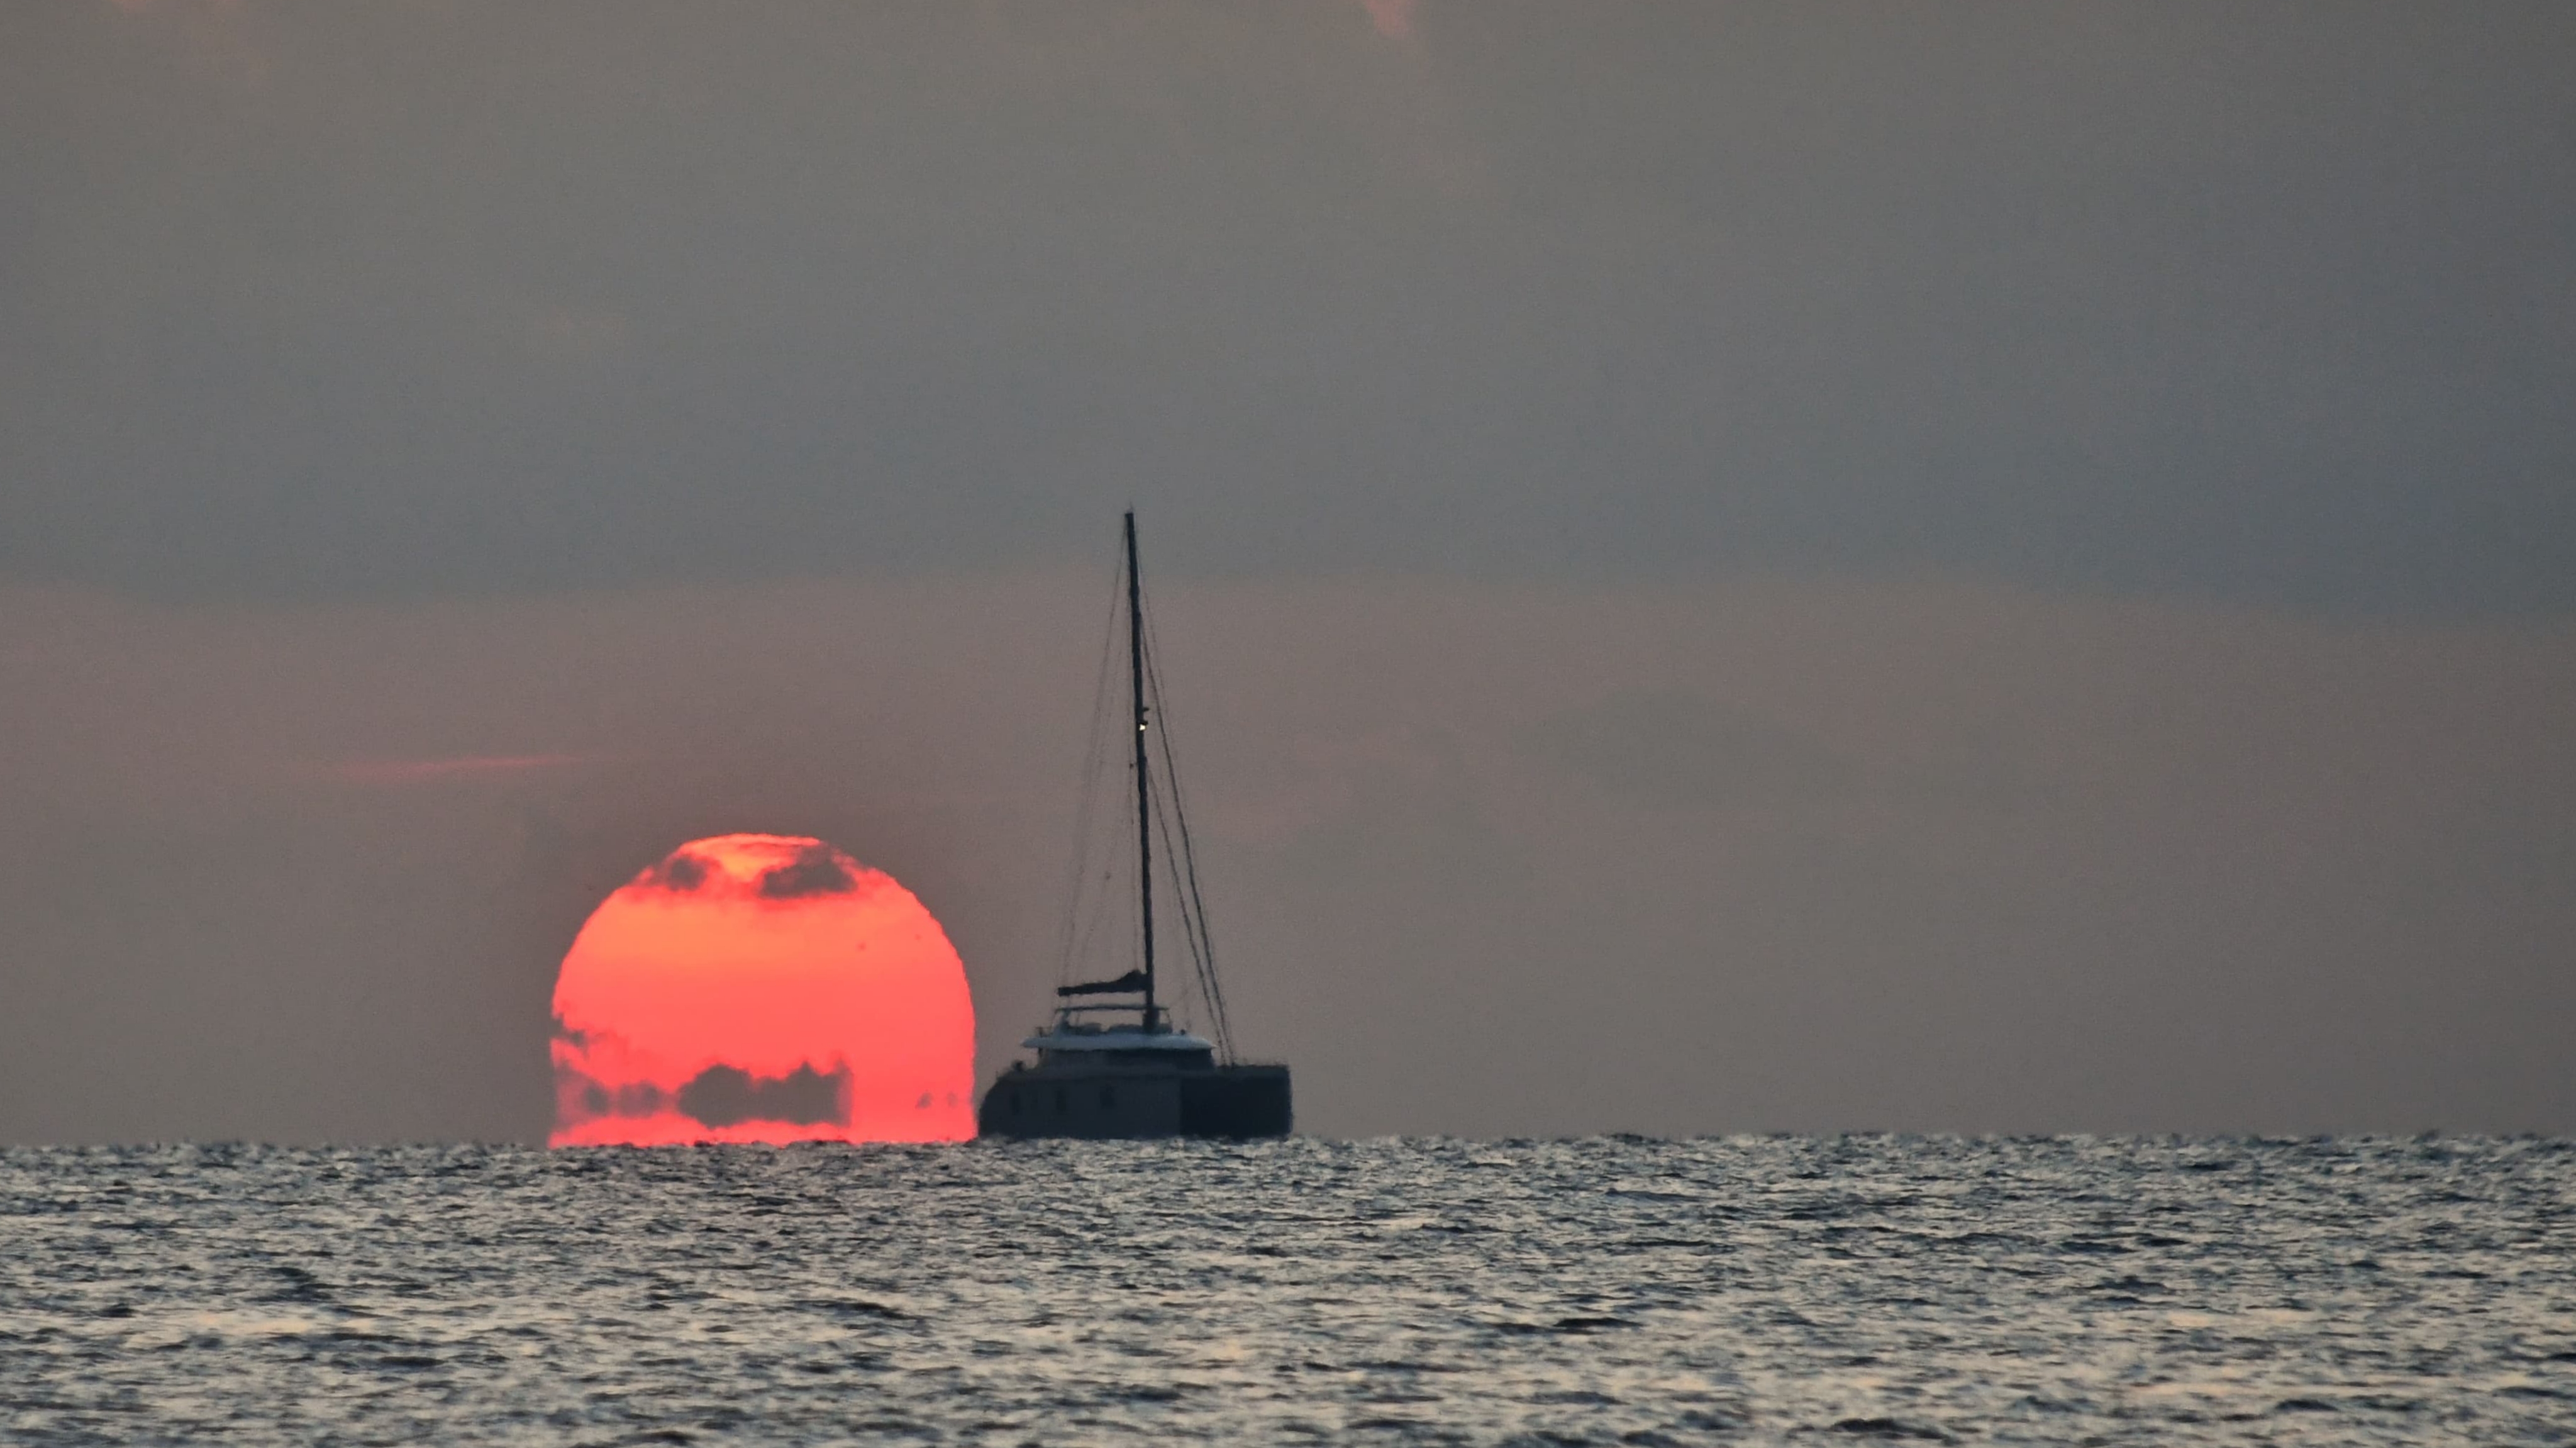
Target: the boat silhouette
(1112, 1063)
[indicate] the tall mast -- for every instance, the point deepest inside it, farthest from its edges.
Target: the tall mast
(1144, 809)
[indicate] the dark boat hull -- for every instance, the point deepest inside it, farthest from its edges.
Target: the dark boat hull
(1138, 1103)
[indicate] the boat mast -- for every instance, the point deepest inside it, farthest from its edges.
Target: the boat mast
(1144, 808)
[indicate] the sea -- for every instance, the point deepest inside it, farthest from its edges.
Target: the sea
(1814, 1291)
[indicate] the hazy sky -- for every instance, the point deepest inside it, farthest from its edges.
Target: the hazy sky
(1725, 566)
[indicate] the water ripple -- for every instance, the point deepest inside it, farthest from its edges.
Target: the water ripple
(1773, 1290)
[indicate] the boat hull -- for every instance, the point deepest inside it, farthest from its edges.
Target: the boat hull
(1120, 1102)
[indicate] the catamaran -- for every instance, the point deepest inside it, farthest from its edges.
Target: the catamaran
(1113, 1063)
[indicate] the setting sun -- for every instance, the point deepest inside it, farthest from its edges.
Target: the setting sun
(762, 988)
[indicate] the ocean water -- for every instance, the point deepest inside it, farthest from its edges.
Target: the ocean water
(1759, 1290)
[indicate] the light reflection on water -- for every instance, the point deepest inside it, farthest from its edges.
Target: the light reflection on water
(1748, 1290)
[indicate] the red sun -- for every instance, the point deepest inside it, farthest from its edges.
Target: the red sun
(762, 988)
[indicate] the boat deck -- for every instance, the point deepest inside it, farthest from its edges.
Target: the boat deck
(1111, 1101)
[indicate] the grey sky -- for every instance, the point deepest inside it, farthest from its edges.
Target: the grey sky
(2271, 303)
(1724, 567)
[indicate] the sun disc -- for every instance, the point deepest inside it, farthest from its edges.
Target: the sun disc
(762, 988)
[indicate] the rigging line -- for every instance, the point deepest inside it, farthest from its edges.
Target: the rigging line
(1098, 917)
(1084, 810)
(1193, 928)
(1204, 945)
(1210, 981)
(1075, 895)
(1085, 813)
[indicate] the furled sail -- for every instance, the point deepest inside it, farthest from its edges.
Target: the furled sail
(1133, 980)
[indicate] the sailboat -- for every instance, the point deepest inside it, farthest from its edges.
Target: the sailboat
(1113, 1063)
